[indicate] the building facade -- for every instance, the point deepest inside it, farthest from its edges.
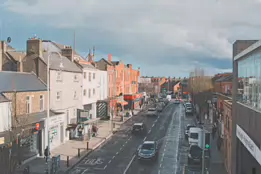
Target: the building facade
(246, 115)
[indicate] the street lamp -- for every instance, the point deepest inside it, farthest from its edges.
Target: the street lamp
(48, 102)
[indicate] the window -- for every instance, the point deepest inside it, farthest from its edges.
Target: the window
(93, 92)
(74, 112)
(90, 116)
(89, 93)
(41, 102)
(28, 105)
(58, 95)
(76, 78)
(93, 75)
(59, 76)
(90, 77)
(84, 92)
(84, 75)
(75, 95)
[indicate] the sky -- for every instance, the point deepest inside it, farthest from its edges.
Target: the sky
(162, 37)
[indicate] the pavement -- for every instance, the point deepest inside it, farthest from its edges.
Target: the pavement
(70, 148)
(118, 155)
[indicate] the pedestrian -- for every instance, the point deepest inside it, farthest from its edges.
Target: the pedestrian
(46, 154)
(219, 143)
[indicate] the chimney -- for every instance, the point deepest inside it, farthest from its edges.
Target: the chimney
(67, 52)
(34, 46)
(130, 66)
(21, 64)
(3, 47)
(109, 58)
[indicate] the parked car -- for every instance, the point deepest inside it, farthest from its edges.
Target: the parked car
(187, 130)
(148, 150)
(138, 128)
(152, 112)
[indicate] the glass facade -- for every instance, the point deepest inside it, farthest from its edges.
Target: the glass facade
(249, 80)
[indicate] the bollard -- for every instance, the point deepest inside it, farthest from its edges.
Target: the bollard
(68, 161)
(87, 145)
(79, 153)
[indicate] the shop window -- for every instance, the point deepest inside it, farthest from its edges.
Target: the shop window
(41, 103)
(28, 105)
(29, 146)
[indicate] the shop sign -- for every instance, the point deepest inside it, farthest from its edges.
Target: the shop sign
(56, 119)
(248, 143)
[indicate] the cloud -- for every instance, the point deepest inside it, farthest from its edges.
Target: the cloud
(167, 35)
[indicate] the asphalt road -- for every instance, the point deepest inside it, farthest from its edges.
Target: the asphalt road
(118, 155)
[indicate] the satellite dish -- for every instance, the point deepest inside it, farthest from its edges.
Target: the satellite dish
(8, 39)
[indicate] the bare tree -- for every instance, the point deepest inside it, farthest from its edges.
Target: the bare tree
(201, 87)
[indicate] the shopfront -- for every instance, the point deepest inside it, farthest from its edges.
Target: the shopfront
(30, 141)
(58, 135)
(135, 101)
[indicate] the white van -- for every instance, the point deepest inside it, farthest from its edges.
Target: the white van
(168, 97)
(194, 135)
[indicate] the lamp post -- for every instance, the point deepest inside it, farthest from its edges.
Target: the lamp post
(48, 103)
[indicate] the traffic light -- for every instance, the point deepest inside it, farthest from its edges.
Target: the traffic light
(207, 140)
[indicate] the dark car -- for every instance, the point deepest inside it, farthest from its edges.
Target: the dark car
(148, 150)
(138, 128)
(187, 130)
(194, 155)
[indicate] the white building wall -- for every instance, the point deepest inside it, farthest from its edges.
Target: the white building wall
(90, 90)
(103, 85)
(69, 85)
(5, 116)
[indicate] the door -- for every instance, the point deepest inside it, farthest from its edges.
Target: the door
(62, 133)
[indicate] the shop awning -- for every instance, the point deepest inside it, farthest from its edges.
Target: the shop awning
(122, 102)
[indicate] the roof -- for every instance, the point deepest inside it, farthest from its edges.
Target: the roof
(20, 82)
(227, 78)
(3, 98)
(115, 62)
(16, 55)
(149, 142)
(248, 50)
(56, 60)
(138, 124)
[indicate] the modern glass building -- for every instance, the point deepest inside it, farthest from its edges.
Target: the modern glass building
(246, 110)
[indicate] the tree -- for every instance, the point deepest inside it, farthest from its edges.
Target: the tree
(201, 87)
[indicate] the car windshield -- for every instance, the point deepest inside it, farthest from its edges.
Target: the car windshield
(188, 127)
(147, 146)
(136, 127)
(188, 105)
(194, 135)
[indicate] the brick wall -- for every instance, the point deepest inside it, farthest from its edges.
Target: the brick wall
(21, 101)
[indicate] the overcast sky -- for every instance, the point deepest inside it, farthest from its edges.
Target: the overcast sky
(163, 37)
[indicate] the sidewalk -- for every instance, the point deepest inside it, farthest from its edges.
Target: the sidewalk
(70, 149)
(217, 165)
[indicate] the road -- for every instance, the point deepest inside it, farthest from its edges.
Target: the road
(118, 155)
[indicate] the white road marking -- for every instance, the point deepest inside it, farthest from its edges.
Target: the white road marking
(164, 149)
(155, 121)
(113, 157)
(149, 131)
(159, 172)
(105, 167)
(153, 125)
(109, 162)
(129, 138)
(85, 171)
(144, 138)
(120, 148)
(128, 166)
(117, 153)
(160, 165)
(123, 145)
